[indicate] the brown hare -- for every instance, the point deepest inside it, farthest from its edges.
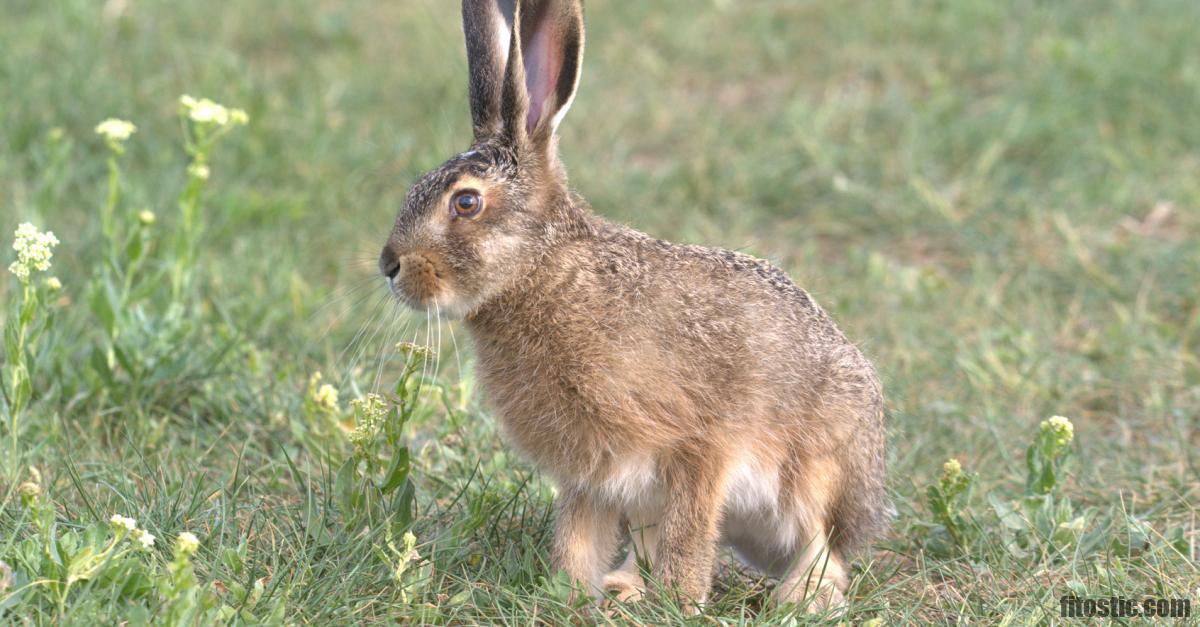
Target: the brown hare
(691, 396)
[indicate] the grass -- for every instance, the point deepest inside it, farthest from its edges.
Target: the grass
(998, 201)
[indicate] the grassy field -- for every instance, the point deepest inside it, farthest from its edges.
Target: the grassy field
(999, 201)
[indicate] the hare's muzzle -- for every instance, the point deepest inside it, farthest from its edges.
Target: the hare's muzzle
(413, 276)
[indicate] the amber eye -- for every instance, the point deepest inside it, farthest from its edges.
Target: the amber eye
(466, 204)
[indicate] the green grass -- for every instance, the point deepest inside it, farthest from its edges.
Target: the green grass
(999, 201)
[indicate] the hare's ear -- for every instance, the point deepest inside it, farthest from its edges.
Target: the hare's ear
(544, 62)
(487, 26)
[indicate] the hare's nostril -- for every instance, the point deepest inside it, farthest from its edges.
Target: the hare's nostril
(390, 271)
(389, 263)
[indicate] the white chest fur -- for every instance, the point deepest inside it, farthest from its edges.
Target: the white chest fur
(635, 484)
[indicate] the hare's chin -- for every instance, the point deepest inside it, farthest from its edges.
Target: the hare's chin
(410, 301)
(445, 302)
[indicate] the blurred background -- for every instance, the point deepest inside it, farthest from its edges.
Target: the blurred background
(999, 201)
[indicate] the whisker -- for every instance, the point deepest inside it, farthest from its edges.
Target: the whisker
(356, 302)
(425, 363)
(362, 328)
(389, 347)
(457, 361)
(389, 330)
(369, 341)
(437, 319)
(359, 336)
(340, 294)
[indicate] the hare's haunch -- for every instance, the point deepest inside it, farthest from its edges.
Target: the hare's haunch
(686, 395)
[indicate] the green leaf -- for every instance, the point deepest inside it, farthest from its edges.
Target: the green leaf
(100, 366)
(99, 304)
(398, 472)
(125, 361)
(53, 550)
(22, 388)
(233, 560)
(19, 588)
(292, 465)
(344, 485)
(1008, 515)
(404, 505)
(134, 247)
(81, 565)
(28, 308)
(1047, 480)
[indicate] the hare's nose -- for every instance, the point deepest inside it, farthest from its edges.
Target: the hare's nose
(389, 262)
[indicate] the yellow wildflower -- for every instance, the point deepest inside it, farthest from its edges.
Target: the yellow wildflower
(326, 397)
(369, 413)
(951, 468)
(30, 489)
(1062, 429)
(187, 543)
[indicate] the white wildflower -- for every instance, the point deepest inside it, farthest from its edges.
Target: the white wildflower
(145, 537)
(205, 111)
(147, 217)
(198, 171)
(115, 130)
(34, 250)
(53, 284)
(123, 522)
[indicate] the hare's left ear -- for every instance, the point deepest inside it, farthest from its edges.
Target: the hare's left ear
(544, 62)
(487, 26)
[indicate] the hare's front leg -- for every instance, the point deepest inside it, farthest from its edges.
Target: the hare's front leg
(585, 538)
(690, 528)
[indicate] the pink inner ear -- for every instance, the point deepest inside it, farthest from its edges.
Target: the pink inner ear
(542, 66)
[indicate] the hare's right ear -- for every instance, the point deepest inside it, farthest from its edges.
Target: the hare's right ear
(487, 26)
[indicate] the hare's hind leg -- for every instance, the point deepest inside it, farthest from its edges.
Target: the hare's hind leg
(817, 573)
(790, 543)
(625, 583)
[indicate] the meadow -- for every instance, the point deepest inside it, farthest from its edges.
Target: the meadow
(998, 201)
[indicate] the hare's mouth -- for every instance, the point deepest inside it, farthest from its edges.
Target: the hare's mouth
(416, 280)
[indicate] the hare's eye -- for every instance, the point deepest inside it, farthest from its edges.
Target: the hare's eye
(466, 204)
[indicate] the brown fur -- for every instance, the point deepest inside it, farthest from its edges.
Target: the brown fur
(693, 391)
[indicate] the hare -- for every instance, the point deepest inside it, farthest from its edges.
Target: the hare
(687, 396)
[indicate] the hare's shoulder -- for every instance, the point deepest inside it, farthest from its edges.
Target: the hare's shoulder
(628, 252)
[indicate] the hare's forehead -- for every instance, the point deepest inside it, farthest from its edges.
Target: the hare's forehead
(478, 164)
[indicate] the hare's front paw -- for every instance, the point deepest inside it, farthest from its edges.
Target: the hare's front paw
(623, 586)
